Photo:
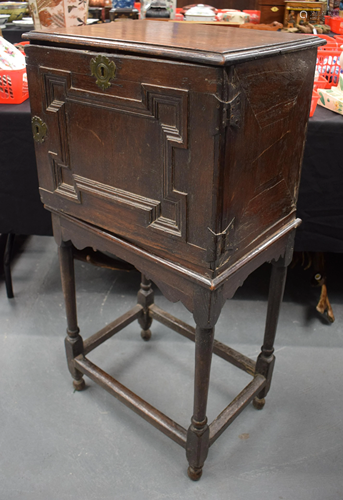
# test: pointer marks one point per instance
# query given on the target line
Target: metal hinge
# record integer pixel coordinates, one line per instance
(222, 242)
(232, 112)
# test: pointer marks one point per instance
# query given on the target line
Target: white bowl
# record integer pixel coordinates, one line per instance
(200, 18)
(16, 10)
(23, 24)
(24, 20)
(200, 13)
(4, 18)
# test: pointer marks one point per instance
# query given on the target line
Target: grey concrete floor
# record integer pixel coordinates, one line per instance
(57, 444)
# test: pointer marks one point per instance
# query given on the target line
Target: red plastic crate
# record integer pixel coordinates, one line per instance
(321, 83)
(13, 86)
(328, 64)
(314, 102)
(330, 41)
(337, 25)
(21, 46)
(327, 20)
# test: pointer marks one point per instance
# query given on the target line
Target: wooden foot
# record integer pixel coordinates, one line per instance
(79, 385)
(258, 403)
(194, 473)
(146, 335)
(197, 447)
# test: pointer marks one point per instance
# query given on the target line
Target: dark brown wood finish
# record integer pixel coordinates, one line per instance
(176, 148)
(145, 299)
(73, 341)
(182, 41)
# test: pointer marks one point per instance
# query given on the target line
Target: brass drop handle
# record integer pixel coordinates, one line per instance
(104, 70)
(39, 129)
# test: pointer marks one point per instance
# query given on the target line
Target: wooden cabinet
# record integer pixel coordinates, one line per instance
(272, 11)
(177, 148)
(172, 121)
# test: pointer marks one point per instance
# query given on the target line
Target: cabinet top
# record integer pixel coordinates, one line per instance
(198, 43)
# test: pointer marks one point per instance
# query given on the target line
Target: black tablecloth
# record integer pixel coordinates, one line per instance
(21, 211)
(13, 33)
(320, 203)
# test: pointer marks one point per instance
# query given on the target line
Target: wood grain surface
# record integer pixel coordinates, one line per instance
(180, 41)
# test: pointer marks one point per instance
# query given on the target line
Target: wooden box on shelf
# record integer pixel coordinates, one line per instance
(271, 11)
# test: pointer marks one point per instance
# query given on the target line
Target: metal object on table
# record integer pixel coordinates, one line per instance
(123, 13)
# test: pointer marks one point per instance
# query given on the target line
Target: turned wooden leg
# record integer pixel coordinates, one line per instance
(266, 359)
(145, 298)
(73, 341)
(198, 432)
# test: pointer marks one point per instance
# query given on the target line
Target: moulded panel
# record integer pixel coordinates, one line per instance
(146, 159)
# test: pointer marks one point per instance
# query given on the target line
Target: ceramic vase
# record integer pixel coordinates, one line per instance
(51, 14)
(122, 4)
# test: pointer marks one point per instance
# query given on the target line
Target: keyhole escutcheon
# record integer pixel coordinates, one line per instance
(104, 70)
(39, 129)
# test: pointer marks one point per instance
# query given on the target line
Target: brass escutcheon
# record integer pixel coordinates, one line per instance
(39, 129)
(274, 9)
(104, 70)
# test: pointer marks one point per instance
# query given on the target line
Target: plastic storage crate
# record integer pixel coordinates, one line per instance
(337, 25)
(320, 83)
(328, 64)
(314, 102)
(13, 86)
(339, 39)
(330, 41)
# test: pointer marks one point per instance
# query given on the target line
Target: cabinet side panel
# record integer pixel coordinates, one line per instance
(264, 153)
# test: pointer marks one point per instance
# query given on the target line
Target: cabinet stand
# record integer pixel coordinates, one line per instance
(206, 307)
